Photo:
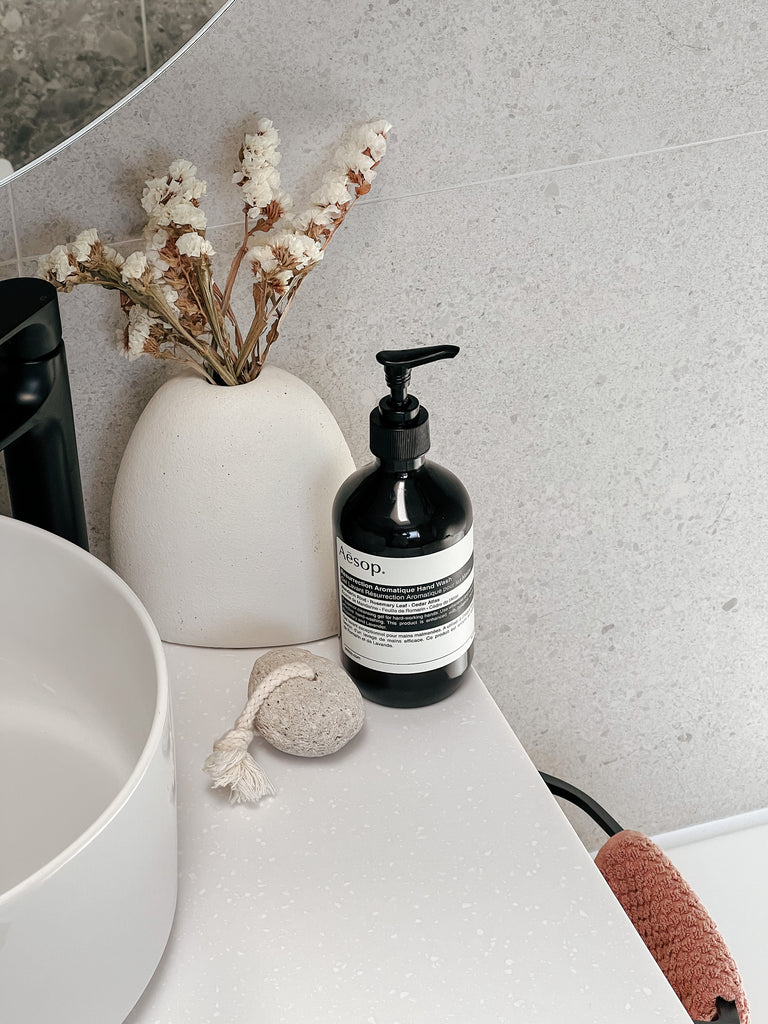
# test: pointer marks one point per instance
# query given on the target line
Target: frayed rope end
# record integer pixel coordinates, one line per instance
(232, 766)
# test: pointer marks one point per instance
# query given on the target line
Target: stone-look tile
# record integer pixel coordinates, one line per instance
(170, 23)
(607, 413)
(7, 243)
(8, 270)
(607, 410)
(476, 93)
(62, 65)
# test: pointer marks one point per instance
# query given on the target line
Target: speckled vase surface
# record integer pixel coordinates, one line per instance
(221, 512)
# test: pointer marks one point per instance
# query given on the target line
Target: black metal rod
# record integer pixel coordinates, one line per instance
(578, 797)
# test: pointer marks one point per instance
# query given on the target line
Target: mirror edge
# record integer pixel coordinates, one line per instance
(7, 178)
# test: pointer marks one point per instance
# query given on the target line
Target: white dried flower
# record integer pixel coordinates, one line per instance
(265, 137)
(305, 250)
(134, 267)
(328, 201)
(260, 190)
(262, 257)
(260, 184)
(137, 339)
(113, 256)
(182, 169)
(180, 213)
(258, 176)
(157, 241)
(82, 245)
(372, 136)
(363, 149)
(284, 255)
(282, 279)
(286, 249)
(192, 244)
(333, 191)
(354, 159)
(184, 181)
(257, 154)
(260, 149)
(56, 265)
(140, 322)
(185, 174)
(257, 213)
(180, 186)
(317, 217)
(155, 191)
(156, 263)
(170, 294)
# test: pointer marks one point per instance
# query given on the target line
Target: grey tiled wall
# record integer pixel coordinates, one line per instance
(577, 194)
(63, 62)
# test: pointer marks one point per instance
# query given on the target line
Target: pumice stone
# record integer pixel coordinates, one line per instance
(300, 703)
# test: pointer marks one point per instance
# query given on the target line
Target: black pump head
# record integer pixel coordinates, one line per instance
(398, 364)
(400, 425)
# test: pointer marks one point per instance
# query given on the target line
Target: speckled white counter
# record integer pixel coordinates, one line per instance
(422, 875)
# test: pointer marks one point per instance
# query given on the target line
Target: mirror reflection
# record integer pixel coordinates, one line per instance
(64, 62)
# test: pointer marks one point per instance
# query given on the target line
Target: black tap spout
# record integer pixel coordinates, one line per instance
(37, 428)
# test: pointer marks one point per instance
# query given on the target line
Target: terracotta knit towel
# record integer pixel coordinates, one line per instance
(674, 925)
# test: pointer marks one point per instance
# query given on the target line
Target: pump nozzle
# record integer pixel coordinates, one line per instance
(400, 425)
(398, 364)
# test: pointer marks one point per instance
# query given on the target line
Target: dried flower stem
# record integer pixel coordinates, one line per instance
(206, 352)
(256, 329)
(229, 316)
(234, 268)
(213, 316)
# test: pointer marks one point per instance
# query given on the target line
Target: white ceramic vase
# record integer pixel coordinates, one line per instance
(221, 512)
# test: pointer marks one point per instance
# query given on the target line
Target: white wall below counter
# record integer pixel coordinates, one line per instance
(724, 863)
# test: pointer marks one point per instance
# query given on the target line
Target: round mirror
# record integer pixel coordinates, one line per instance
(66, 64)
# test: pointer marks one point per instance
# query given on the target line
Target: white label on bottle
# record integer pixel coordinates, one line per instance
(406, 614)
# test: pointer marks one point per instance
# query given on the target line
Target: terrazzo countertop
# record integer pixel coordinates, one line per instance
(421, 875)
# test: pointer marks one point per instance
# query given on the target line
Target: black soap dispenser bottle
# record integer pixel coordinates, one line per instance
(404, 555)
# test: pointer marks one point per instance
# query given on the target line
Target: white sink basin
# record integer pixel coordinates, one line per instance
(87, 797)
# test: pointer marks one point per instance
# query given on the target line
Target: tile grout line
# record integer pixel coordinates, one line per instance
(145, 36)
(538, 172)
(555, 168)
(14, 231)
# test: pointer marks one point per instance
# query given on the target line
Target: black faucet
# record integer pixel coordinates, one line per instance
(37, 428)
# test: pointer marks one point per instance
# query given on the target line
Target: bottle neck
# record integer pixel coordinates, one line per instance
(399, 466)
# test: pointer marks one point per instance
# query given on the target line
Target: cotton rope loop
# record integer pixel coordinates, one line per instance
(230, 765)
